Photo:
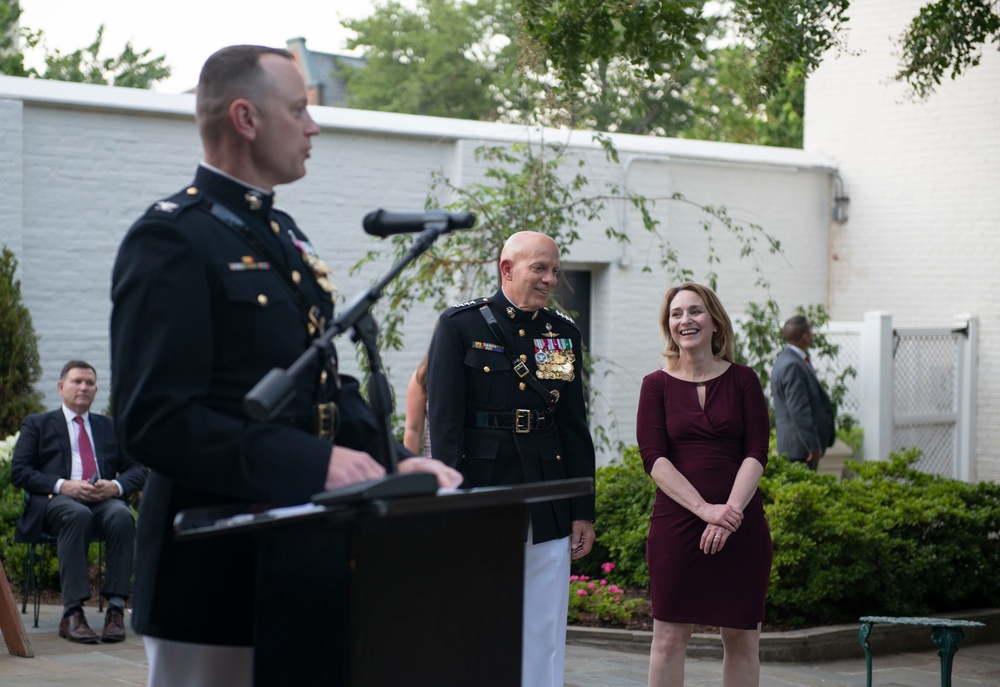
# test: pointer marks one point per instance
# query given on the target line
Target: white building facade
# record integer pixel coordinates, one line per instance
(923, 234)
(80, 163)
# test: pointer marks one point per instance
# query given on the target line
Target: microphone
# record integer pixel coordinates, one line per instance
(383, 223)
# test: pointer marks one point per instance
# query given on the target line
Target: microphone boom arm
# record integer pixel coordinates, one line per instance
(266, 399)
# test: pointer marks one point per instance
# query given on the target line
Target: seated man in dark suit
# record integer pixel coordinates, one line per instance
(68, 460)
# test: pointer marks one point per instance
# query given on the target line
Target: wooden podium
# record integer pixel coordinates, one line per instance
(415, 590)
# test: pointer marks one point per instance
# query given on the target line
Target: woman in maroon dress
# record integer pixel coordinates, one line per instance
(703, 433)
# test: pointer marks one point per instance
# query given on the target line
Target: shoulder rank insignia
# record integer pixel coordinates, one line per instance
(566, 318)
(466, 304)
(166, 206)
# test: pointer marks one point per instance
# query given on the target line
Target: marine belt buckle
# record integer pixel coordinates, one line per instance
(522, 370)
(522, 421)
(325, 413)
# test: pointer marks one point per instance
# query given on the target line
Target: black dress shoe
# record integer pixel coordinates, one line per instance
(74, 627)
(114, 625)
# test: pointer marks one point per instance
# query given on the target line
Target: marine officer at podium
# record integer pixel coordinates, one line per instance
(506, 406)
(211, 289)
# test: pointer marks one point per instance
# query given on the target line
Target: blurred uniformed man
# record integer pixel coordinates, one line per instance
(506, 406)
(212, 288)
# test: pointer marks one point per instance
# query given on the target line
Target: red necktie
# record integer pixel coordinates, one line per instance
(86, 450)
(808, 362)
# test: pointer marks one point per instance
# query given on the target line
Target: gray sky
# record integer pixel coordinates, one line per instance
(188, 31)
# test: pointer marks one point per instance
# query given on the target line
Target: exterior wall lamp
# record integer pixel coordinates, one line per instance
(840, 199)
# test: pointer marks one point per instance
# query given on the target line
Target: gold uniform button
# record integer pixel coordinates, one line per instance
(192, 190)
(296, 277)
(520, 332)
(322, 377)
(311, 328)
(486, 368)
(275, 227)
(524, 358)
(558, 457)
(262, 299)
(522, 386)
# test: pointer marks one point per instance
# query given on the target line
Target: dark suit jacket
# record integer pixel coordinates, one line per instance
(199, 316)
(43, 456)
(468, 372)
(803, 414)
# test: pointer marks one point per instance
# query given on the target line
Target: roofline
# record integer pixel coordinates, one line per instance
(44, 92)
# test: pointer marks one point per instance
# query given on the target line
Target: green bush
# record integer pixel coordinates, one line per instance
(625, 496)
(889, 540)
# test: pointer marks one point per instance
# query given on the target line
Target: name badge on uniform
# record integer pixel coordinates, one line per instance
(555, 358)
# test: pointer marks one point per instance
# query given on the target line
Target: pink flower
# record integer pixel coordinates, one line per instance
(614, 589)
(617, 598)
(590, 586)
(574, 578)
(584, 577)
(581, 592)
(604, 581)
(607, 567)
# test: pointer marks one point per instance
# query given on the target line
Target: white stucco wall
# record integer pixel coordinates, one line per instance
(79, 163)
(923, 236)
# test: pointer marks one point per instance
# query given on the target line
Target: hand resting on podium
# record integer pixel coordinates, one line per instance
(348, 466)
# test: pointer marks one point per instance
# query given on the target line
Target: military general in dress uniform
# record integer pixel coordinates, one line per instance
(212, 288)
(506, 406)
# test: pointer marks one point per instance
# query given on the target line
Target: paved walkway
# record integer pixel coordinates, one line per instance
(59, 662)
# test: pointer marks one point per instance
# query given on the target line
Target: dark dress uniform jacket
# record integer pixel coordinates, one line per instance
(470, 375)
(199, 316)
(43, 455)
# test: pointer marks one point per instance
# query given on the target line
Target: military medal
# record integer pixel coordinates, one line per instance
(554, 358)
(548, 331)
(320, 270)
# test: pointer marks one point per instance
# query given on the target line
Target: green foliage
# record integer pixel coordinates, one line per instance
(599, 597)
(786, 34)
(20, 366)
(625, 496)
(496, 70)
(946, 35)
(11, 58)
(889, 541)
(130, 68)
(647, 34)
(426, 60)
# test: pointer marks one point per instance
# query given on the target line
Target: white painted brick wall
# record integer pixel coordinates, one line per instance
(924, 230)
(94, 158)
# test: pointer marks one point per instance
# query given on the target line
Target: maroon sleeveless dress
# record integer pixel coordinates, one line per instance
(708, 447)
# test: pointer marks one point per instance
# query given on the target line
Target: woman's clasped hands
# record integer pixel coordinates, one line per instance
(723, 520)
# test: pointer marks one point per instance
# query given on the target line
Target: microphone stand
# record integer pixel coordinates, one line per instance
(266, 399)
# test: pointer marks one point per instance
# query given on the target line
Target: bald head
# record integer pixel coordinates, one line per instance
(529, 269)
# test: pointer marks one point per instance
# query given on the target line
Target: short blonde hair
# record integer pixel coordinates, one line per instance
(723, 339)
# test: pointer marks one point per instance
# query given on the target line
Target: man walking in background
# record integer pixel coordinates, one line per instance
(803, 413)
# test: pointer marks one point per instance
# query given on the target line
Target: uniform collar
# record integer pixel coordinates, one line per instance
(509, 311)
(231, 192)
